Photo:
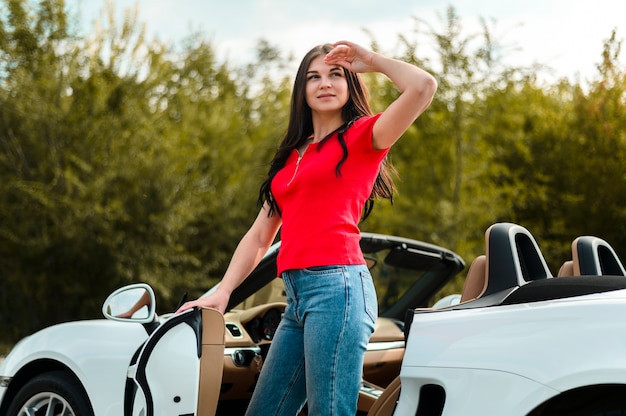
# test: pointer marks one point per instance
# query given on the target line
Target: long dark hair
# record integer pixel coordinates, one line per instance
(300, 128)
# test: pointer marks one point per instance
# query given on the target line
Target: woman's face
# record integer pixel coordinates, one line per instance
(326, 87)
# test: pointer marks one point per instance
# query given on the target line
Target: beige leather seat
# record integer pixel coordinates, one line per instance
(566, 269)
(211, 362)
(476, 280)
(386, 403)
(512, 258)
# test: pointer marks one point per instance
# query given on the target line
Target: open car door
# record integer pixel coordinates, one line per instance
(178, 372)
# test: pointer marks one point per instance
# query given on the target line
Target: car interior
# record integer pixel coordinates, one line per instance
(513, 270)
(407, 274)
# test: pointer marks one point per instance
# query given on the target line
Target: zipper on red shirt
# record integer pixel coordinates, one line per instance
(295, 171)
(300, 156)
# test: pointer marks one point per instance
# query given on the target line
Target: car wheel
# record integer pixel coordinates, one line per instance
(51, 394)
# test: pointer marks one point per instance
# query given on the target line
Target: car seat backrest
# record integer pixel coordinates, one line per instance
(567, 269)
(476, 280)
(594, 256)
(513, 258)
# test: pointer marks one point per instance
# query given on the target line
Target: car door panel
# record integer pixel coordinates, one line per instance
(178, 360)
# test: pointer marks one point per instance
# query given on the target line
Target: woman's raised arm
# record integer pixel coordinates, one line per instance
(417, 88)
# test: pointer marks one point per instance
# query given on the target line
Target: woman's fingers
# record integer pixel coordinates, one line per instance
(350, 56)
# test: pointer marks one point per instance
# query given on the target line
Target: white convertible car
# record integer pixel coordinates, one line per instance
(520, 341)
(136, 363)
(516, 341)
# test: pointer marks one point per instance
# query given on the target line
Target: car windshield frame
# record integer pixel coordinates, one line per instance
(432, 267)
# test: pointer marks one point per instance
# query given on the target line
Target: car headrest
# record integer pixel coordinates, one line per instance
(513, 257)
(594, 256)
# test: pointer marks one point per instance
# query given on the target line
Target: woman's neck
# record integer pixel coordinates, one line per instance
(325, 125)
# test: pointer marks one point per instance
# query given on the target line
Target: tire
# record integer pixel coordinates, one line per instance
(51, 394)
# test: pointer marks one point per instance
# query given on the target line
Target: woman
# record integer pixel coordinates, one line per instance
(322, 180)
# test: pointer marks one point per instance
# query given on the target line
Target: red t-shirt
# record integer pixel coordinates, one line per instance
(320, 210)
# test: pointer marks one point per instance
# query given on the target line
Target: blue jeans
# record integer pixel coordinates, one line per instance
(316, 356)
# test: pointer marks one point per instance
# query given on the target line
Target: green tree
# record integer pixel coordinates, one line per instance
(559, 161)
(123, 159)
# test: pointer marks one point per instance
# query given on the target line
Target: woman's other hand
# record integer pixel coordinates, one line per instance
(217, 300)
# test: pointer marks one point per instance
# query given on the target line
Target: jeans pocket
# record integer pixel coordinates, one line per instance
(369, 296)
(322, 270)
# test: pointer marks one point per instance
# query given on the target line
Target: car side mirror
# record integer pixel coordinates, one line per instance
(132, 303)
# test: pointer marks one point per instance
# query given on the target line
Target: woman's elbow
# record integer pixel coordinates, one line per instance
(428, 86)
(425, 91)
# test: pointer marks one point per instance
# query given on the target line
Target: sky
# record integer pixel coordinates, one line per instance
(565, 35)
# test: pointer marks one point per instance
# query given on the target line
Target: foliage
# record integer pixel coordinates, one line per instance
(124, 159)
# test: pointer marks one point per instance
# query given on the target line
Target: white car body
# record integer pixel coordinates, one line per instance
(507, 360)
(538, 345)
(79, 347)
(99, 353)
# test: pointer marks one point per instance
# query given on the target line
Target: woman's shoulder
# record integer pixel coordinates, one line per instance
(359, 133)
(364, 122)
(363, 126)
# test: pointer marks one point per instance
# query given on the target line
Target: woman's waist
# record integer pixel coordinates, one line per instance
(308, 256)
